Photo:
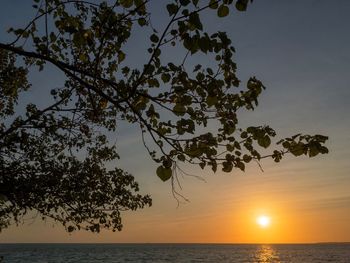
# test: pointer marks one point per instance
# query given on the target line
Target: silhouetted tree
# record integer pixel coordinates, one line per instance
(42, 167)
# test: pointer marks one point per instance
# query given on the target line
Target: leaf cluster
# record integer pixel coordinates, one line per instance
(184, 115)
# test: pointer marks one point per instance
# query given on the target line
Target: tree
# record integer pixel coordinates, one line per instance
(41, 165)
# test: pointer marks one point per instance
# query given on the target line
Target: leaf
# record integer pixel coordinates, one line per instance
(184, 2)
(313, 151)
(211, 101)
(142, 21)
(210, 71)
(297, 149)
(223, 11)
(167, 163)
(181, 157)
(204, 44)
(140, 4)
(157, 52)
(237, 145)
(321, 138)
(103, 103)
(241, 166)
(202, 165)
(153, 83)
(244, 135)
(164, 173)
(126, 3)
(121, 56)
(324, 150)
(230, 147)
(286, 144)
(154, 38)
(247, 158)
(165, 77)
(71, 229)
(241, 5)
(149, 69)
(194, 46)
(179, 109)
(195, 21)
(227, 167)
(264, 141)
(213, 4)
(194, 152)
(83, 57)
(172, 9)
(214, 166)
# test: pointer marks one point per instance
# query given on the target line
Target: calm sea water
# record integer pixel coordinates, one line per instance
(92, 253)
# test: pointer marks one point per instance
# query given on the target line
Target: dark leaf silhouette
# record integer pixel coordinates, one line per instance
(53, 159)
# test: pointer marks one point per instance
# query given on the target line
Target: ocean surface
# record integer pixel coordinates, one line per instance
(91, 253)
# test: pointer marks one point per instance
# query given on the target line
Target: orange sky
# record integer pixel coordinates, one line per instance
(224, 210)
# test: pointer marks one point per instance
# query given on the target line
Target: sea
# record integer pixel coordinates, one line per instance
(92, 253)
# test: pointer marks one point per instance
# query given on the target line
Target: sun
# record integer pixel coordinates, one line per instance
(263, 221)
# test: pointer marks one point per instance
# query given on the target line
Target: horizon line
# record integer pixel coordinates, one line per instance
(181, 243)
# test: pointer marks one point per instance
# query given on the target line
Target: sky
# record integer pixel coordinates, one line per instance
(300, 50)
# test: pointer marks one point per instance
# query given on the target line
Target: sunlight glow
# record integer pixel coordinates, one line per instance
(263, 221)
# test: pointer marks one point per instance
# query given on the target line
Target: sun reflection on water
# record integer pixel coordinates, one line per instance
(266, 254)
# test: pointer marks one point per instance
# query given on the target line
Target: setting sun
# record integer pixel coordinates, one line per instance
(263, 221)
